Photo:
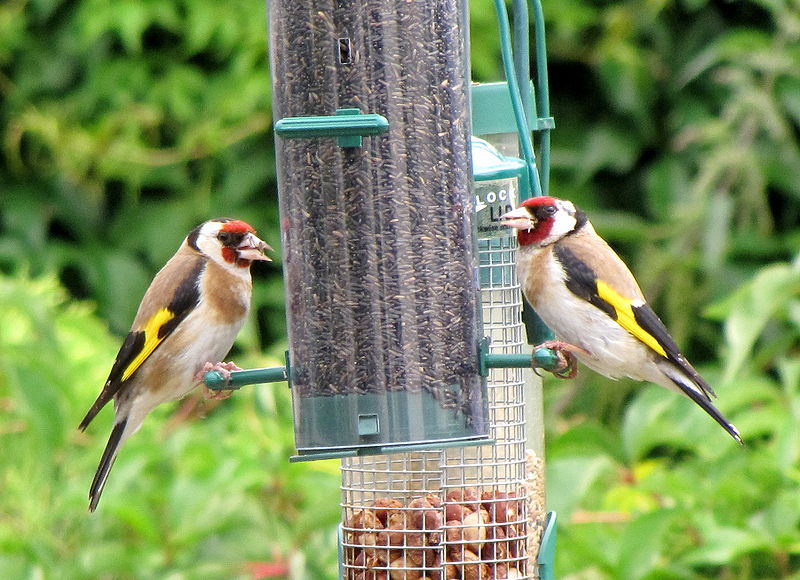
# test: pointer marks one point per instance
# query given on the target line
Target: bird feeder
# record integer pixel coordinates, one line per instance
(406, 343)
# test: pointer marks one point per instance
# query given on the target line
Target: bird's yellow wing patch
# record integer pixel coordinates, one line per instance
(152, 338)
(626, 318)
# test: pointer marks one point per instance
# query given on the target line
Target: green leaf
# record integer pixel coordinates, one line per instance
(586, 438)
(644, 426)
(628, 81)
(751, 307)
(731, 46)
(643, 543)
(607, 147)
(575, 475)
(716, 237)
(723, 544)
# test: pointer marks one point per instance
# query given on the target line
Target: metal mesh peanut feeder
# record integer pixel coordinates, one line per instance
(403, 307)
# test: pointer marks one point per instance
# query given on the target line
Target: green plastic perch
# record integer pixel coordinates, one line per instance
(542, 358)
(215, 381)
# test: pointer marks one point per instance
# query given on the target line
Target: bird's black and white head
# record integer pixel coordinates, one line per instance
(231, 243)
(544, 220)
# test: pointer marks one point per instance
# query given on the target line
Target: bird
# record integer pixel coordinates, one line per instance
(591, 301)
(189, 316)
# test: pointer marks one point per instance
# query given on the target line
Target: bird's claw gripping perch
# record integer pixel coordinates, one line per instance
(567, 363)
(223, 368)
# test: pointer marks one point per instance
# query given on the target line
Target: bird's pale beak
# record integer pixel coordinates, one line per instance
(518, 218)
(253, 248)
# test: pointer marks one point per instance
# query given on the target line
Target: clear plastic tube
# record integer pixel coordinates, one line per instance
(379, 263)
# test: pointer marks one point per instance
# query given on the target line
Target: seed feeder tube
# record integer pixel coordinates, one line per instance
(374, 184)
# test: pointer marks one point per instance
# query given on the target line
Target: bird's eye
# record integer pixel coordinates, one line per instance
(545, 211)
(225, 237)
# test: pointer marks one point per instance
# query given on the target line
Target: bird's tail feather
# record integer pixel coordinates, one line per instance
(96, 406)
(699, 396)
(106, 462)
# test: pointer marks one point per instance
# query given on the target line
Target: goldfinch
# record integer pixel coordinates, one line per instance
(189, 316)
(587, 296)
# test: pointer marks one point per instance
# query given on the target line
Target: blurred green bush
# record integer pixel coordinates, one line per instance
(125, 124)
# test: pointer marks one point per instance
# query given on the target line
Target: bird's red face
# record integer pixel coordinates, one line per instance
(229, 242)
(534, 219)
(542, 220)
(240, 245)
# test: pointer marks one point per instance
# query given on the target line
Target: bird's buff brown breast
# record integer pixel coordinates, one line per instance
(228, 295)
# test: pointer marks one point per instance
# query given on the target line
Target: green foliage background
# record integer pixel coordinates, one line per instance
(124, 124)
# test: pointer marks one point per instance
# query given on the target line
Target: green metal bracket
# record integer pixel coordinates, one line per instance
(347, 125)
(516, 76)
(540, 358)
(547, 549)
